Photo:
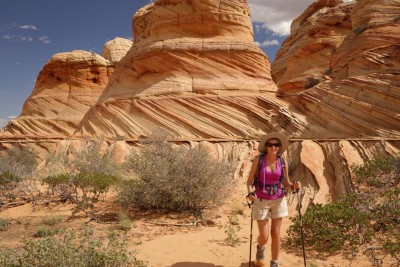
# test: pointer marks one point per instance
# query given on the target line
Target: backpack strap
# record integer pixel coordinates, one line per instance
(282, 178)
(260, 161)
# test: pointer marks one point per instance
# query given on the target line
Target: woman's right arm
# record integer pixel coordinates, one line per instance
(250, 179)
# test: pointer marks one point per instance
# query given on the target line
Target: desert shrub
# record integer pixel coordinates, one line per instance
(52, 220)
(332, 227)
(17, 163)
(232, 229)
(359, 29)
(83, 189)
(46, 230)
(83, 178)
(125, 223)
(175, 179)
(90, 159)
(4, 224)
(367, 220)
(311, 82)
(379, 173)
(93, 159)
(17, 175)
(71, 249)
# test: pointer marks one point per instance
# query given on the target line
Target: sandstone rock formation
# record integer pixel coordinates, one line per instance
(195, 71)
(304, 57)
(68, 85)
(359, 95)
(116, 49)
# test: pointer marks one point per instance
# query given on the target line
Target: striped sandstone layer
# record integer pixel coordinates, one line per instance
(195, 71)
(352, 84)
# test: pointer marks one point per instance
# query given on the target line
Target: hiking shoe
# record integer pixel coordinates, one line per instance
(260, 256)
(274, 264)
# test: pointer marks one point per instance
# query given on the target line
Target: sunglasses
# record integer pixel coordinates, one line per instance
(273, 144)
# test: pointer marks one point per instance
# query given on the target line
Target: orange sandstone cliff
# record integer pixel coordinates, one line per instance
(340, 66)
(195, 71)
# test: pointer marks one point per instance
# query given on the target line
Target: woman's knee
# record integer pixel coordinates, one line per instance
(275, 234)
(276, 229)
(262, 239)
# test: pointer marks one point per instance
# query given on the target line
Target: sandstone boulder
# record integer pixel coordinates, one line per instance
(114, 50)
(68, 85)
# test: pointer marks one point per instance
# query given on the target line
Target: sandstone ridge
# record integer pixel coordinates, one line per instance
(352, 82)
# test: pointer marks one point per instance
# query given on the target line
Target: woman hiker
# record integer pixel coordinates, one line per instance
(268, 179)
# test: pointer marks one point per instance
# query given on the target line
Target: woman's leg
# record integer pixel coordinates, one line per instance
(275, 238)
(261, 241)
(263, 232)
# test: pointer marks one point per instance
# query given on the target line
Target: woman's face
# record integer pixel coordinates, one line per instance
(273, 146)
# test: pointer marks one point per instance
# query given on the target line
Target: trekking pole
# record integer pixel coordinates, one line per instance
(250, 204)
(301, 226)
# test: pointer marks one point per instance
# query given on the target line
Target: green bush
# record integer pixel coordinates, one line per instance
(311, 82)
(359, 29)
(46, 230)
(125, 223)
(91, 159)
(175, 179)
(83, 189)
(4, 224)
(83, 177)
(71, 249)
(52, 220)
(17, 175)
(17, 163)
(369, 218)
(333, 227)
(232, 229)
(379, 173)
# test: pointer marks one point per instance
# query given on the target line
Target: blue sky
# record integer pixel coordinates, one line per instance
(31, 31)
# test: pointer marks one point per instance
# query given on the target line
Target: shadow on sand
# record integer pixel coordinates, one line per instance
(203, 264)
(194, 264)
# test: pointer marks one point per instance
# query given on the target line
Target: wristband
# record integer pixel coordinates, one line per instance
(251, 193)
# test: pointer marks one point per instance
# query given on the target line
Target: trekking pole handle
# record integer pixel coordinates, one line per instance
(249, 203)
(297, 190)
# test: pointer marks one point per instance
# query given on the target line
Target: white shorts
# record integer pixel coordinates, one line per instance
(270, 209)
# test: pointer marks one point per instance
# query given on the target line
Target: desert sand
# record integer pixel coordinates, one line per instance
(159, 240)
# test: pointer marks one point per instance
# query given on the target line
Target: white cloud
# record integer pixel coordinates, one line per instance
(27, 38)
(3, 123)
(29, 27)
(18, 38)
(14, 33)
(44, 39)
(8, 37)
(277, 15)
(24, 27)
(268, 43)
